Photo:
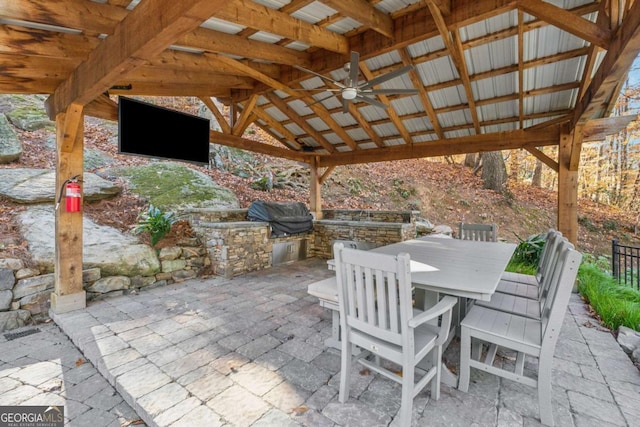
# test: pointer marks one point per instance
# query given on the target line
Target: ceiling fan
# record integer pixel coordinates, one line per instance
(352, 90)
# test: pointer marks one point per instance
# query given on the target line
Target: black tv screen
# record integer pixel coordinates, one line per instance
(148, 130)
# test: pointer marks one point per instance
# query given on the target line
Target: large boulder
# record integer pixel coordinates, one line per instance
(93, 159)
(106, 248)
(27, 112)
(171, 185)
(10, 145)
(38, 186)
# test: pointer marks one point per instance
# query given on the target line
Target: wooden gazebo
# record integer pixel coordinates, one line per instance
(482, 75)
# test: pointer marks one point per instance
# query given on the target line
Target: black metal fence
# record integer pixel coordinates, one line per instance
(625, 264)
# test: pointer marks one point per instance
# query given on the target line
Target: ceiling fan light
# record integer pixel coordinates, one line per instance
(349, 93)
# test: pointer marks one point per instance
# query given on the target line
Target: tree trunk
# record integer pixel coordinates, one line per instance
(536, 179)
(494, 171)
(471, 160)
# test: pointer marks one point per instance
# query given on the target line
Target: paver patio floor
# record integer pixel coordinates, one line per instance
(249, 351)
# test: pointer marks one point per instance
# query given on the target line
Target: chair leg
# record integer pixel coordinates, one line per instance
(465, 355)
(544, 392)
(435, 381)
(345, 366)
(406, 402)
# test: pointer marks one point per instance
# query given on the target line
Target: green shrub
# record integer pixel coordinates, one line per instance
(155, 222)
(529, 250)
(615, 304)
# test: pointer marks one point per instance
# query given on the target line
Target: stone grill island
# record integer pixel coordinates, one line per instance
(237, 245)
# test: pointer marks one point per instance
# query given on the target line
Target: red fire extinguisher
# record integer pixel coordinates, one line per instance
(72, 193)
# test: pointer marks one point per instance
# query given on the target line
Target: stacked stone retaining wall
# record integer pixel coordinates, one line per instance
(25, 294)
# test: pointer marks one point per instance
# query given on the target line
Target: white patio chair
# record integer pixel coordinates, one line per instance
(528, 285)
(374, 295)
(525, 336)
(480, 232)
(524, 306)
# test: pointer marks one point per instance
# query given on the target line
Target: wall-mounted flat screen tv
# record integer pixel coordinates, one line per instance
(148, 130)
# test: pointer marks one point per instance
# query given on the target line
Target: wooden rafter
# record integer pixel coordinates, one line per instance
(222, 121)
(454, 46)
(567, 21)
(364, 124)
(422, 93)
(142, 38)
(623, 50)
(289, 137)
(246, 117)
(253, 15)
(395, 118)
(363, 12)
(281, 105)
(543, 158)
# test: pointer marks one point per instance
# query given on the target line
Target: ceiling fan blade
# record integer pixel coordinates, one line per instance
(353, 68)
(390, 91)
(383, 78)
(320, 89)
(372, 101)
(320, 100)
(340, 85)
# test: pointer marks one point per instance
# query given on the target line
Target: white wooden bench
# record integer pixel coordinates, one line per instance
(525, 336)
(327, 293)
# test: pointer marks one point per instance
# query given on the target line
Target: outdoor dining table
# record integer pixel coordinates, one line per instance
(464, 268)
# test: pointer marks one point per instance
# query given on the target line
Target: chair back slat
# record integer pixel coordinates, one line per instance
(479, 232)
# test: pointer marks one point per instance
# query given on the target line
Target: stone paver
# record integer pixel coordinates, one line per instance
(66, 378)
(250, 352)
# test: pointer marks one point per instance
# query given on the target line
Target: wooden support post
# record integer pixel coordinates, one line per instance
(68, 294)
(315, 187)
(567, 189)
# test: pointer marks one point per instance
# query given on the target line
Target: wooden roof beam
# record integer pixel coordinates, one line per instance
(366, 14)
(454, 45)
(623, 50)
(257, 147)
(422, 93)
(567, 21)
(250, 14)
(99, 18)
(216, 113)
(148, 30)
(317, 109)
(281, 105)
(290, 137)
(246, 117)
(538, 154)
(470, 144)
(395, 118)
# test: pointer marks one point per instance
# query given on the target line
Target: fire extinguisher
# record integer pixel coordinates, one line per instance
(73, 194)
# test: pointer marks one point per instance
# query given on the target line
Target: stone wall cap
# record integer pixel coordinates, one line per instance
(361, 224)
(234, 224)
